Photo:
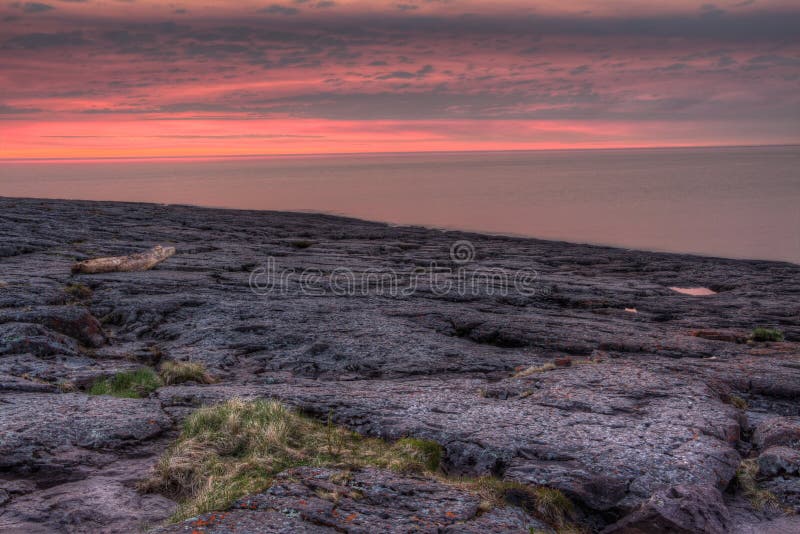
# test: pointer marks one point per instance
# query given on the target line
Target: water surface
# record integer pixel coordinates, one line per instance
(731, 202)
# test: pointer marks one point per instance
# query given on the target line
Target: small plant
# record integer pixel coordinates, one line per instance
(67, 387)
(548, 504)
(535, 369)
(746, 480)
(78, 291)
(130, 384)
(172, 372)
(423, 454)
(766, 334)
(301, 243)
(738, 402)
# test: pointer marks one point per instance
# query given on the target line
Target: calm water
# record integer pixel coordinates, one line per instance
(733, 202)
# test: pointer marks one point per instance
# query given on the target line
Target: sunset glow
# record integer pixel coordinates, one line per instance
(92, 79)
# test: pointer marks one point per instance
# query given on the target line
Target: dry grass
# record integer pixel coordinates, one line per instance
(78, 291)
(172, 372)
(746, 480)
(535, 369)
(232, 449)
(737, 402)
(548, 504)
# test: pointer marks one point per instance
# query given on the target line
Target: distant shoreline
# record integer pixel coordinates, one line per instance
(445, 230)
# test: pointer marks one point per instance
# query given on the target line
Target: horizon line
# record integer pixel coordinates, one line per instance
(379, 153)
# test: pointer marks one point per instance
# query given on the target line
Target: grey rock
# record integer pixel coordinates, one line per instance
(360, 501)
(679, 510)
(59, 436)
(777, 460)
(778, 431)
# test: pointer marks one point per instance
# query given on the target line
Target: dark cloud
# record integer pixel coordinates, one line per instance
(33, 41)
(32, 7)
(277, 9)
(12, 110)
(406, 75)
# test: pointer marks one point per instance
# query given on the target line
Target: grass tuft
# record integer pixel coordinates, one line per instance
(78, 291)
(236, 448)
(737, 402)
(766, 334)
(172, 372)
(746, 480)
(131, 384)
(421, 454)
(548, 504)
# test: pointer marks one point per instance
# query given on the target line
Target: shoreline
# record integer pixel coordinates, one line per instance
(463, 231)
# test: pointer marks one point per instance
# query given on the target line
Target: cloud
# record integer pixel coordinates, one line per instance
(34, 41)
(12, 110)
(277, 9)
(32, 7)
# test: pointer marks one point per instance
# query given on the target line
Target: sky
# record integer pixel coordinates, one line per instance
(136, 78)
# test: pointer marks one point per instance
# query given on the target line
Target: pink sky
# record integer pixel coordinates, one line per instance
(92, 78)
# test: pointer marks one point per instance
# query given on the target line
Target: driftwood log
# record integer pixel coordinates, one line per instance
(141, 261)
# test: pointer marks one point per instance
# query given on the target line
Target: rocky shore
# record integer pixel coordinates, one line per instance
(549, 364)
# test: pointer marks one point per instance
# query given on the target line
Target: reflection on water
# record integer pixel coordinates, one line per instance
(734, 202)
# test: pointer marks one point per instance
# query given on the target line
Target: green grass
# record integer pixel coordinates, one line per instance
(236, 448)
(131, 384)
(172, 372)
(766, 334)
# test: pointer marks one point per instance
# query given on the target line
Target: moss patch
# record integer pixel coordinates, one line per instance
(131, 384)
(766, 334)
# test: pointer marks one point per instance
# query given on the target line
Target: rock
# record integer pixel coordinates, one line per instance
(610, 434)
(21, 338)
(59, 436)
(778, 431)
(721, 335)
(777, 460)
(96, 504)
(781, 525)
(562, 362)
(359, 501)
(678, 510)
(787, 490)
(72, 321)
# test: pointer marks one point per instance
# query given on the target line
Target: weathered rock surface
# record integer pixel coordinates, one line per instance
(679, 509)
(360, 501)
(638, 421)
